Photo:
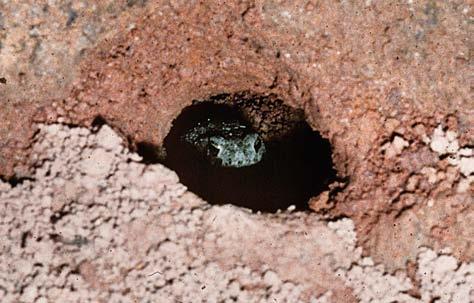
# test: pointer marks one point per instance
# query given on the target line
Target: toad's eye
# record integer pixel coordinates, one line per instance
(213, 150)
(257, 145)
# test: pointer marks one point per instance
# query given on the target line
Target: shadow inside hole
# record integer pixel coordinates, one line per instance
(292, 170)
(149, 152)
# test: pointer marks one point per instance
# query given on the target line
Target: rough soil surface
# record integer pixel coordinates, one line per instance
(270, 116)
(42, 43)
(96, 225)
(387, 83)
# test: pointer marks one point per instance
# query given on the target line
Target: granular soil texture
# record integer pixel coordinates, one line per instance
(96, 225)
(386, 83)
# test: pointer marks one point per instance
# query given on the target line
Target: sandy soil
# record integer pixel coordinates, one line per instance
(96, 225)
(388, 83)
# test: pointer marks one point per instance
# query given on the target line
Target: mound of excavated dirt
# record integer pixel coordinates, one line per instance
(97, 225)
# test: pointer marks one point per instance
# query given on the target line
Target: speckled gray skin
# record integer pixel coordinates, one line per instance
(227, 143)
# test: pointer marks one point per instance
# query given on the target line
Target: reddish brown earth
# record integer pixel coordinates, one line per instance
(376, 79)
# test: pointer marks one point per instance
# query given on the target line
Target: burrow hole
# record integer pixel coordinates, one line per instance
(249, 151)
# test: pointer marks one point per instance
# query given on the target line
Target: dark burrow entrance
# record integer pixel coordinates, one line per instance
(253, 152)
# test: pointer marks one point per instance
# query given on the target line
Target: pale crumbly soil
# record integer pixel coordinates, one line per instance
(96, 225)
(388, 83)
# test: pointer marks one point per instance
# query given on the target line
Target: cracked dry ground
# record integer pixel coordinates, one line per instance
(387, 83)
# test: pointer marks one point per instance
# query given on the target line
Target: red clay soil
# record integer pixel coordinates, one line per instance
(366, 75)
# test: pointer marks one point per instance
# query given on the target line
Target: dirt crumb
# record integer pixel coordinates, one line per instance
(133, 232)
